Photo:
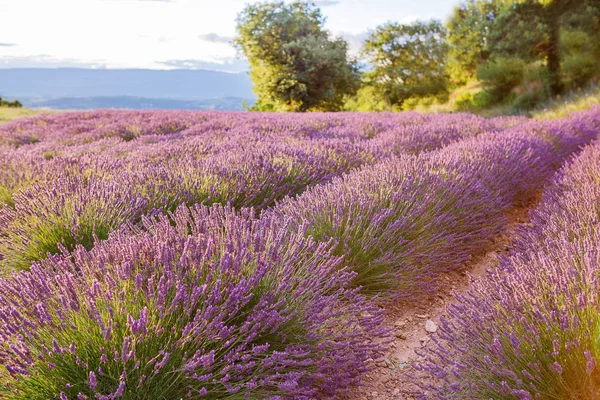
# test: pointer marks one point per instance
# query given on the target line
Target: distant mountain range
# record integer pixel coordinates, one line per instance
(138, 103)
(73, 88)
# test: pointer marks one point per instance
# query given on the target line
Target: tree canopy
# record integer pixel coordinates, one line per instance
(407, 60)
(501, 51)
(294, 63)
(531, 30)
(469, 28)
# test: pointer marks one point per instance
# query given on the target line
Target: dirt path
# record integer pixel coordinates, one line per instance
(409, 321)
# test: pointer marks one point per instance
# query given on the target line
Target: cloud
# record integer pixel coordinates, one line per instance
(355, 40)
(326, 3)
(215, 38)
(141, 1)
(7, 44)
(234, 65)
(46, 61)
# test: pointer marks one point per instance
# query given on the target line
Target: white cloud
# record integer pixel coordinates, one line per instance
(326, 3)
(226, 65)
(45, 60)
(215, 38)
(145, 33)
(355, 40)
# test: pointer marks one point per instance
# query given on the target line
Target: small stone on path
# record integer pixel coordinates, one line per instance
(431, 326)
(400, 324)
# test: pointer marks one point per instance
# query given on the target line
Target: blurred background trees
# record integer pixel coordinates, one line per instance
(508, 54)
(11, 104)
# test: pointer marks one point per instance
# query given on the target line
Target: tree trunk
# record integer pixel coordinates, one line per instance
(553, 60)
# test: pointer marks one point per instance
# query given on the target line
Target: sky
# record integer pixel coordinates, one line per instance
(166, 34)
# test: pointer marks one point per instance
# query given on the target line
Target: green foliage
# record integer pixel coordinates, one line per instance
(500, 76)
(424, 103)
(580, 62)
(295, 65)
(408, 60)
(472, 101)
(368, 99)
(532, 30)
(10, 104)
(482, 100)
(468, 33)
(518, 31)
(527, 101)
(579, 69)
(580, 99)
(524, 51)
(464, 101)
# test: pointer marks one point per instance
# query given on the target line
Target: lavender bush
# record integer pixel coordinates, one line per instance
(216, 305)
(151, 278)
(159, 160)
(530, 329)
(398, 224)
(73, 211)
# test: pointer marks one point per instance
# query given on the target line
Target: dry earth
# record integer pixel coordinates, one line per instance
(413, 324)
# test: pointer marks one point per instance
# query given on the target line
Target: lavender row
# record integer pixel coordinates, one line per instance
(204, 303)
(61, 196)
(161, 137)
(60, 131)
(529, 330)
(401, 222)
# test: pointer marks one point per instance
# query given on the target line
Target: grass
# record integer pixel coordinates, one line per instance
(563, 106)
(8, 114)
(560, 107)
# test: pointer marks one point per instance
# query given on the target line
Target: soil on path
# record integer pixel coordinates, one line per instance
(414, 323)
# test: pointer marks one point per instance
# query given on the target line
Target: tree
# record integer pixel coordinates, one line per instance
(468, 34)
(11, 104)
(407, 60)
(294, 64)
(530, 29)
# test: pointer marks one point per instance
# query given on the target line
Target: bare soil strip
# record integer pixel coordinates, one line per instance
(414, 323)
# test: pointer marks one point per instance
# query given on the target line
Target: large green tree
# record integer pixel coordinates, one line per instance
(294, 63)
(531, 29)
(469, 28)
(407, 60)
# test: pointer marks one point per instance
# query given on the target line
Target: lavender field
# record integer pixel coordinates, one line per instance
(216, 255)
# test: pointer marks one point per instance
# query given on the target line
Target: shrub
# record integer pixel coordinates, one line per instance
(424, 103)
(464, 101)
(500, 76)
(579, 69)
(482, 100)
(527, 101)
(216, 304)
(72, 211)
(11, 104)
(384, 221)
